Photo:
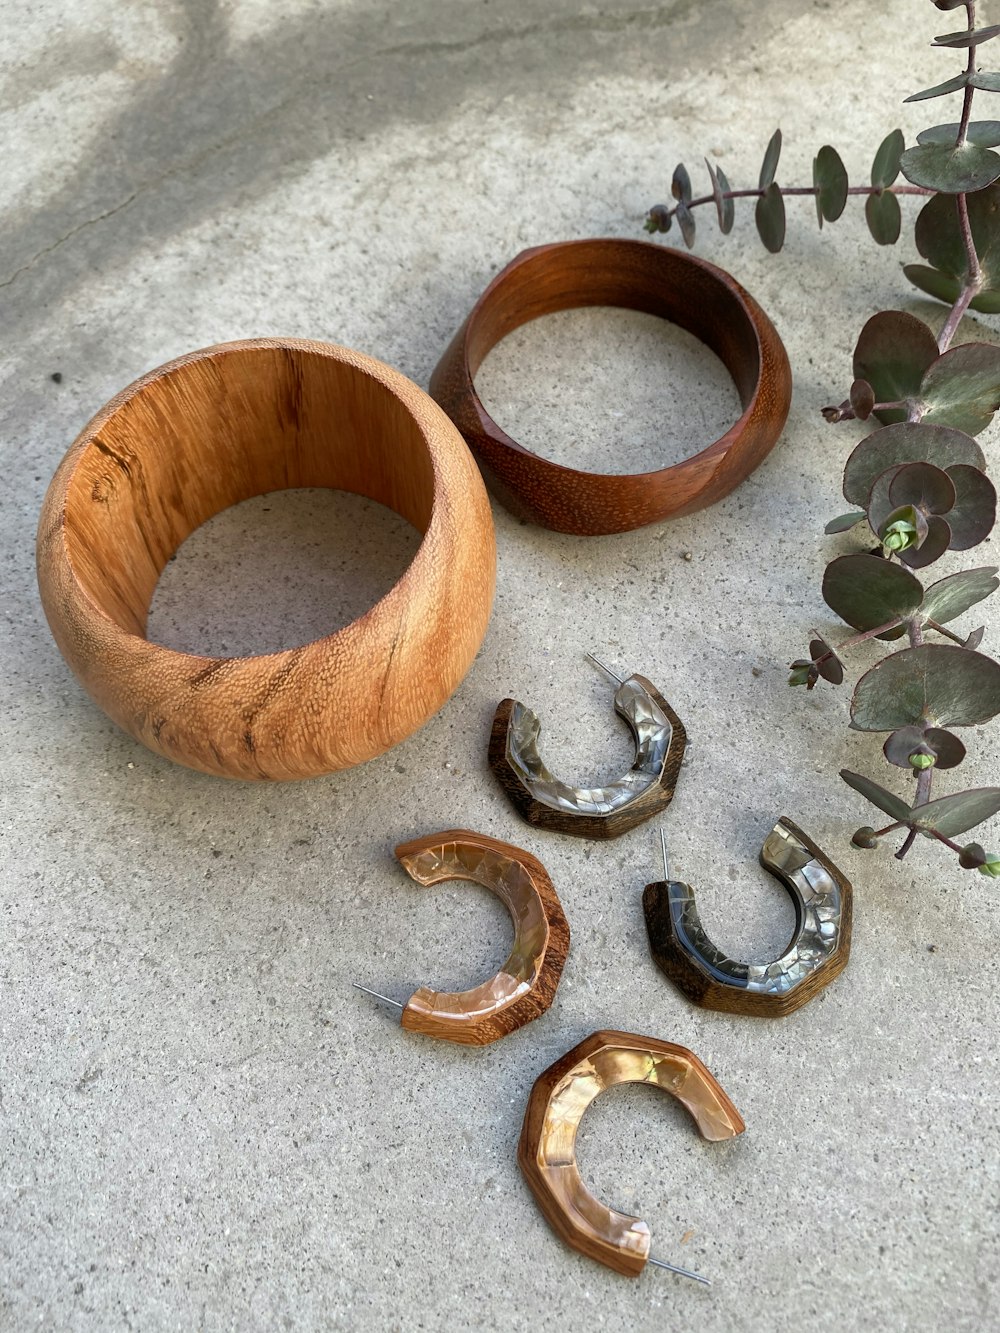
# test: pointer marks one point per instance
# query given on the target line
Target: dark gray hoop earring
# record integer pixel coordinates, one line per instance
(545, 801)
(816, 953)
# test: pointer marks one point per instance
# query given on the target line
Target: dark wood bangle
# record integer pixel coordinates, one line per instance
(638, 275)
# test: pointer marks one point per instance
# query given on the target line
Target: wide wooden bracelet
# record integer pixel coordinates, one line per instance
(222, 425)
(639, 276)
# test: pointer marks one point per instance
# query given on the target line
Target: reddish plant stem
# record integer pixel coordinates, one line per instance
(932, 624)
(925, 776)
(889, 828)
(911, 838)
(974, 276)
(869, 634)
(973, 281)
(947, 842)
(807, 190)
(970, 68)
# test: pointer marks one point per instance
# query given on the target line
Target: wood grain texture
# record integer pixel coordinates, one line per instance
(546, 1152)
(644, 805)
(526, 984)
(638, 275)
(217, 427)
(686, 955)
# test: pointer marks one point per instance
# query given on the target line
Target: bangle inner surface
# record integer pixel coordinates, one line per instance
(215, 431)
(607, 390)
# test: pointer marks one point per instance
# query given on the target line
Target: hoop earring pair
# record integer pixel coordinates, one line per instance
(822, 895)
(520, 992)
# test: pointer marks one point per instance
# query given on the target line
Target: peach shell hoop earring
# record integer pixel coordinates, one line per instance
(526, 984)
(638, 275)
(222, 425)
(547, 1150)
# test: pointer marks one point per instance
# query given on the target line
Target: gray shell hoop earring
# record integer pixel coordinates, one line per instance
(817, 952)
(592, 812)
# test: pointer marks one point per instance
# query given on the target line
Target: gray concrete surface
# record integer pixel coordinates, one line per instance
(201, 1125)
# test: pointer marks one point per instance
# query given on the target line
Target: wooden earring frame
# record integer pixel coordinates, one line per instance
(637, 701)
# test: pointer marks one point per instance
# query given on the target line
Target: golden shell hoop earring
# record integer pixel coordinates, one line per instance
(526, 984)
(547, 1150)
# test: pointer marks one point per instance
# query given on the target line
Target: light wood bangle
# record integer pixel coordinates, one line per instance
(222, 425)
(639, 276)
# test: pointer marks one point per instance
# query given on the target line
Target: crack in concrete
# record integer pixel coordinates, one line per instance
(244, 132)
(644, 19)
(81, 226)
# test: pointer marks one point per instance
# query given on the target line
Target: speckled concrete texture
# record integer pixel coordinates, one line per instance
(203, 1126)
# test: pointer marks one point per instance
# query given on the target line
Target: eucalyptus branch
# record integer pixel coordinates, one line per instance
(919, 490)
(810, 191)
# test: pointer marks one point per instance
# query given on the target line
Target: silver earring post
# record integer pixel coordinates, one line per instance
(666, 862)
(377, 996)
(604, 667)
(683, 1272)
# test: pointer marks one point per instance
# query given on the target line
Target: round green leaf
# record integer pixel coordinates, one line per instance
(932, 545)
(685, 220)
(885, 168)
(871, 791)
(962, 388)
(955, 814)
(680, 186)
(658, 219)
(905, 442)
(770, 218)
(975, 508)
(924, 485)
(983, 133)
(830, 180)
(893, 351)
(942, 684)
(947, 747)
(720, 193)
(867, 591)
(976, 637)
(862, 398)
(843, 522)
(825, 658)
(951, 168)
(884, 218)
(770, 164)
(952, 596)
(728, 213)
(902, 743)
